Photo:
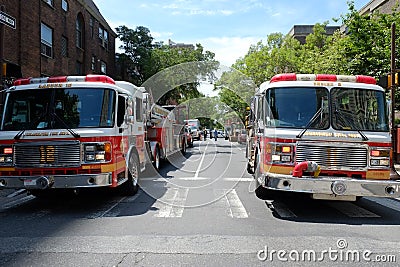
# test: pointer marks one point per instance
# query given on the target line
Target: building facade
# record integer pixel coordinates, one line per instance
(56, 37)
(300, 32)
(383, 6)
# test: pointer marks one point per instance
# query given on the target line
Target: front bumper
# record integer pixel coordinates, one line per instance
(341, 186)
(56, 181)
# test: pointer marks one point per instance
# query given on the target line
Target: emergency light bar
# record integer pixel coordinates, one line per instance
(64, 79)
(323, 77)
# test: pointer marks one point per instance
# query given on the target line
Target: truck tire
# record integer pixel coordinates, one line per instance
(261, 192)
(183, 150)
(131, 186)
(156, 159)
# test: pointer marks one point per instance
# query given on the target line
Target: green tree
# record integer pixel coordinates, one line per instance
(137, 46)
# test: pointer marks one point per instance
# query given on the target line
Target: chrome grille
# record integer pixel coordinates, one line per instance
(333, 156)
(47, 154)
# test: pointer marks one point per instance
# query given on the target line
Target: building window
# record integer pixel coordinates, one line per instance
(103, 67)
(93, 63)
(91, 24)
(78, 68)
(103, 37)
(46, 47)
(50, 2)
(79, 31)
(64, 46)
(64, 5)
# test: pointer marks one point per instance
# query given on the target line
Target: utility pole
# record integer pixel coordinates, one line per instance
(2, 8)
(393, 173)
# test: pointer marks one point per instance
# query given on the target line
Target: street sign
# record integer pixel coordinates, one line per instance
(8, 20)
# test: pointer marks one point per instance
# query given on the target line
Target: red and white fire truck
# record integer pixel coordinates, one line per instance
(74, 132)
(321, 134)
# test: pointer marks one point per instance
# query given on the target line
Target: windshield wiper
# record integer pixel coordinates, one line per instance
(349, 122)
(310, 122)
(30, 125)
(74, 134)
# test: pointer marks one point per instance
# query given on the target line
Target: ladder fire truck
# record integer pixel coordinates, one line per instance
(74, 132)
(321, 134)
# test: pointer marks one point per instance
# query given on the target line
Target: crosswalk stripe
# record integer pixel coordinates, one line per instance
(281, 209)
(353, 210)
(18, 202)
(172, 203)
(228, 179)
(393, 204)
(231, 203)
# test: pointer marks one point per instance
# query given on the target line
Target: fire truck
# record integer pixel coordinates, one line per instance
(75, 132)
(320, 134)
(165, 132)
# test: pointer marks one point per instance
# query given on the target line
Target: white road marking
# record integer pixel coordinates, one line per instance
(193, 178)
(196, 175)
(353, 210)
(172, 203)
(281, 209)
(231, 203)
(16, 193)
(393, 204)
(241, 179)
(18, 202)
(228, 179)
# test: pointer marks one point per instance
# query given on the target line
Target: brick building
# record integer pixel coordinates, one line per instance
(57, 37)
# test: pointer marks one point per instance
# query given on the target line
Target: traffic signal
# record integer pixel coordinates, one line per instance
(396, 79)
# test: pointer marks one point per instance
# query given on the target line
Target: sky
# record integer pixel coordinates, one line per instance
(225, 27)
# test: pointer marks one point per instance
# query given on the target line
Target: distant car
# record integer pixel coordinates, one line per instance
(221, 134)
(189, 137)
(196, 133)
(242, 136)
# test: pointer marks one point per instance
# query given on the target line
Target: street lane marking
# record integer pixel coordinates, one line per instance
(172, 203)
(386, 202)
(352, 210)
(228, 179)
(242, 179)
(281, 209)
(196, 175)
(193, 178)
(232, 203)
(18, 202)
(16, 193)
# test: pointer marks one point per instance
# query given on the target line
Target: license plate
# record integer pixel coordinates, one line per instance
(29, 182)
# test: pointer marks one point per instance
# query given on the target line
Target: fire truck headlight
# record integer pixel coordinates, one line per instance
(90, 148)
(97, 152)
(379, 162)
(6, 155)
(379, 157)
(90, 157)
(276, 158)
(100, 157)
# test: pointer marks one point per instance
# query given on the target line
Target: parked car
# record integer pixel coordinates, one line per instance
(189, 137)
(196, 133)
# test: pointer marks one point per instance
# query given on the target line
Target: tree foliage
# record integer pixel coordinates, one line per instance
(364, 48)
(143, 58)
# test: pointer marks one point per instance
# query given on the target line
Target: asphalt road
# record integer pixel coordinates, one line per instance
(200, 210)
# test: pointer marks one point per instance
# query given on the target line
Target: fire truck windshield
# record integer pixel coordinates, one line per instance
(358, 109)
(58, 109)
(296, 107)
(314, 108)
